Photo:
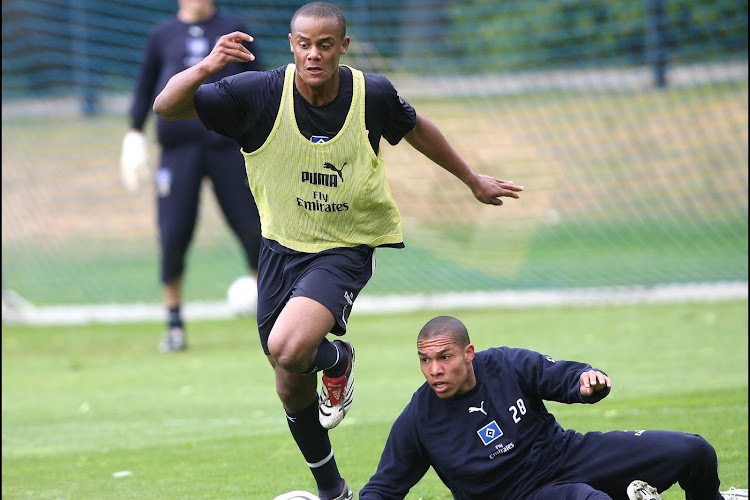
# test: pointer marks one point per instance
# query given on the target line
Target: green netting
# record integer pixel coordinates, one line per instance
(626, 122)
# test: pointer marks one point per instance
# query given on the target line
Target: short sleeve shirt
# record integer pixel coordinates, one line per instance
(245, 107)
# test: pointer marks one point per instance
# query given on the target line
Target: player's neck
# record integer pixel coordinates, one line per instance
(319, 95)
(191, 16)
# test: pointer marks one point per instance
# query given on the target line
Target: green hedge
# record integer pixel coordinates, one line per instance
(501, 36)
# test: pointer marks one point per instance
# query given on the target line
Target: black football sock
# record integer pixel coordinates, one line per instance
(338, 367)
(331, 357)
(175, 318)
(312, 440)
(332, 492)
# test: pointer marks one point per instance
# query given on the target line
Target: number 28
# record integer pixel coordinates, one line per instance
(518, 410)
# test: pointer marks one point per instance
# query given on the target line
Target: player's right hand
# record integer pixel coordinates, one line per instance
(228, 49)
(134, 168)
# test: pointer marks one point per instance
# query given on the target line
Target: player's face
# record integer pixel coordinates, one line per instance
(317, 46)
(198, 9)
(446, 366)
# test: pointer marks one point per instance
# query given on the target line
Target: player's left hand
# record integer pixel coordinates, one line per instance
(593, 381)
(489, 190)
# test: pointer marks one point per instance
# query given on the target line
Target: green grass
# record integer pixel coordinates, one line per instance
(81, 403)
(449, 261)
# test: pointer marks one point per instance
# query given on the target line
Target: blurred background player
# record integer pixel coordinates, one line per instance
(189, 152)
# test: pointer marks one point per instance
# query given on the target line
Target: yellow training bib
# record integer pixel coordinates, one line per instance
(316, 196)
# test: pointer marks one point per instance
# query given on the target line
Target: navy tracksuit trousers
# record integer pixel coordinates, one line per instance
(600, 466)
(178, 187)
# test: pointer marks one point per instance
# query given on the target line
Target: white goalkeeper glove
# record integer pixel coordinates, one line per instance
(134, 168)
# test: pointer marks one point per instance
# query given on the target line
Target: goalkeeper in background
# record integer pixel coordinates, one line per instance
(189, 152)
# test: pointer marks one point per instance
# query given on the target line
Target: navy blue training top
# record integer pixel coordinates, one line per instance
(245, 107)
(174, 46)
(497, 439)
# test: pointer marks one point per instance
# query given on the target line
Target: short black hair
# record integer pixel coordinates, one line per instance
(321, 10)
(445, 325)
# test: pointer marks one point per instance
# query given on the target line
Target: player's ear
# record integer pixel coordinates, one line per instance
(469, 353)
(345, 45)
(291, 45)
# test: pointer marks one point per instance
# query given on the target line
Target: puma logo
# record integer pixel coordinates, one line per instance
(330, 166)
(472, 409)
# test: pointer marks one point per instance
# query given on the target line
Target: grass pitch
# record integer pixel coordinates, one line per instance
(95, 412)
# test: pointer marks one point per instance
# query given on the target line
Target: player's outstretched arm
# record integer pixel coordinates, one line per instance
(175, 102)
(426, 138)
(594, 381)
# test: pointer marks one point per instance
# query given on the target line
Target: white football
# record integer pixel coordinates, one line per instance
(297, 495)
(242, 296)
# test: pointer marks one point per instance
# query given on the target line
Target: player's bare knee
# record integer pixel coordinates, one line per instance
(286, 357)
(292, 364)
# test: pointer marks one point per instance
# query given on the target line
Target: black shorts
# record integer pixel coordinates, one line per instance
(332, 277)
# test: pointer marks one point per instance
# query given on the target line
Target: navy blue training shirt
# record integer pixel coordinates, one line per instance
(245, 106)
(491, 442)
